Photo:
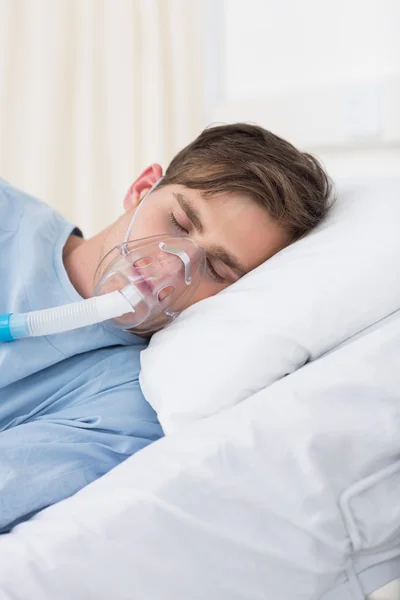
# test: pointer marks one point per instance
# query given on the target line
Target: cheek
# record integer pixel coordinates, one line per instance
(206, 289)
(147, 227)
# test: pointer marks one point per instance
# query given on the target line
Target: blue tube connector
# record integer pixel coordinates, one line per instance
(5, 329)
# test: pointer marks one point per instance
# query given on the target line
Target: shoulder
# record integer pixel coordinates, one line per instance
(14, 204)
(10, 208)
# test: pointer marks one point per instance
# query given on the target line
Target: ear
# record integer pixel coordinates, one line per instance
(141, 186)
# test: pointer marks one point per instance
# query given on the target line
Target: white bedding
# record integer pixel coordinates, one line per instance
(291, 493)
(265, 500)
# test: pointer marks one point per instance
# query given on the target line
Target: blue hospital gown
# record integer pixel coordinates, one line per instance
(70, 404)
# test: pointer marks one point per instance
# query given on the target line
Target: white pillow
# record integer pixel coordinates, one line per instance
(304, 301)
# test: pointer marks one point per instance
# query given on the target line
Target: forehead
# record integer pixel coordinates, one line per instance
(220, 205)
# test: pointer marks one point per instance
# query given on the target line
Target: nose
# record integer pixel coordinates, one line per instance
(184, 257)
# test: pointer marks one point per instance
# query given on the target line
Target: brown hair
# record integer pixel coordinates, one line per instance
(291, 185)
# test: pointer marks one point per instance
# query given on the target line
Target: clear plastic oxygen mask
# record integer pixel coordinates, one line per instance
(141, 285)
(157, 274)
(158, 277)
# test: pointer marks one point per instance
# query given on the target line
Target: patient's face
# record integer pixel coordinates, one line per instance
(236, 233)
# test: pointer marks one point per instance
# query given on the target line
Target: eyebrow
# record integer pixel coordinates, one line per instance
(190, 211)
(218, 252)
(231, 261)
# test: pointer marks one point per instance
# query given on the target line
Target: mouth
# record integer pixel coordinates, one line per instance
(145, 286)
(148, 288)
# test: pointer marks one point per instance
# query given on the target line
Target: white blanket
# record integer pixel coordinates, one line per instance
(294, 493)
(291, 491)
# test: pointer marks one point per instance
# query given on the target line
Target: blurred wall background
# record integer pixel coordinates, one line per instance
(92, 91)
(323, 73)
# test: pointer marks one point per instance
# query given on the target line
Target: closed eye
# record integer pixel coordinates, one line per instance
(176, 224)
(178, 227)
(184, 231)
(214, 273)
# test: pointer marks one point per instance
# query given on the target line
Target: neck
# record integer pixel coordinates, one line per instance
(81, 259)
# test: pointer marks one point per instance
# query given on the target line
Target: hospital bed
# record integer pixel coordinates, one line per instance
(278, 477)
(391, 591)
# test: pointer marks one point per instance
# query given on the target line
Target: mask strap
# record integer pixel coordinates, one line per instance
(128, 233)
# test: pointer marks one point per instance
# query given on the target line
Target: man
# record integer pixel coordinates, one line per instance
(70, 404)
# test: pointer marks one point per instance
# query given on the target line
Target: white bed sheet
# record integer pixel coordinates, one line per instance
(264, 500)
